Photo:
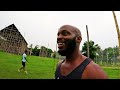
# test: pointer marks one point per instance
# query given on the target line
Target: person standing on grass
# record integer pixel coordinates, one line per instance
(24, 59)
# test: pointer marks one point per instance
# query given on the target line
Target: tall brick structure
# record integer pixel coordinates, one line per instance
(12, 41)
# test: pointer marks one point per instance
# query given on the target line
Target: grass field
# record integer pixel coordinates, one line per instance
(37, 67)
(113, 72)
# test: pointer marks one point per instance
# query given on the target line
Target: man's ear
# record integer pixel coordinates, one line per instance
(78, 39)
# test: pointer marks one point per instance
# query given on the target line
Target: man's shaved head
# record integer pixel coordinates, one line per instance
(69, 38)
(73, 28)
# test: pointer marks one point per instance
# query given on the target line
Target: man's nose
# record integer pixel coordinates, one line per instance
(59, 37)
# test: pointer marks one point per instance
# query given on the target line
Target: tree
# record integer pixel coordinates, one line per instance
(45, 52)
(49, 51)
(36, 50)
(93, 49)
(111, 55)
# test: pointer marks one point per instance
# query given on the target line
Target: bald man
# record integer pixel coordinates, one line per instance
(75, 65)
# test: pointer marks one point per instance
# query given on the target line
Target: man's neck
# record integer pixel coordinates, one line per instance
(74, 56)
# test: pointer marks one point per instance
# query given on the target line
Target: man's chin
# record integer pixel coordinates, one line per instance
(62, 52)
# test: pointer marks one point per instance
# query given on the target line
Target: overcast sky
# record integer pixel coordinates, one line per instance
(40, 27)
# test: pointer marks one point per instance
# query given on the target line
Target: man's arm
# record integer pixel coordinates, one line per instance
(26, 59)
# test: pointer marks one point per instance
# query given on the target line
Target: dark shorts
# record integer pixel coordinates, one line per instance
(23, 63)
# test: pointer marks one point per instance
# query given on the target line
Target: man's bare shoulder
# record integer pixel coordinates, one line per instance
(94, 71)
(59, 62)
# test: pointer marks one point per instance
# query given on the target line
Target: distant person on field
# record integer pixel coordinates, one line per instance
(75, 65)
(24, 59)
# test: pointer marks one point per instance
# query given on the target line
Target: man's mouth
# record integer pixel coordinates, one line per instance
(60, 45)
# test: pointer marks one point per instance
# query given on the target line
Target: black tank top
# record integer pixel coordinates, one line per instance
(76, 73)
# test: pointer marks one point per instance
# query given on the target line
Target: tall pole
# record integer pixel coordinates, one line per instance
(88, 55)
(118, 32)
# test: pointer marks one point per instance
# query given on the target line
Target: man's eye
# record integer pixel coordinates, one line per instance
(65, 33)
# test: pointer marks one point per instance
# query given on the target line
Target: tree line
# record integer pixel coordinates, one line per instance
(108, 55)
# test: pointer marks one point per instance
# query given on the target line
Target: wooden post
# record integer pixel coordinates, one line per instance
(118, 32)
(88, 55)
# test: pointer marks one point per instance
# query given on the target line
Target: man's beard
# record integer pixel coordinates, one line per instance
(71, 45)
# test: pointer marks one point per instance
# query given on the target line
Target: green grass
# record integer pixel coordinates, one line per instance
(113, 72)
(37, 67)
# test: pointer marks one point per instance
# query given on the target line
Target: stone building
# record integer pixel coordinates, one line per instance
(43, 52)
(12, 41)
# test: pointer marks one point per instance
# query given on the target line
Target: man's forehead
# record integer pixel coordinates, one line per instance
(67, 27)
(70, 28)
